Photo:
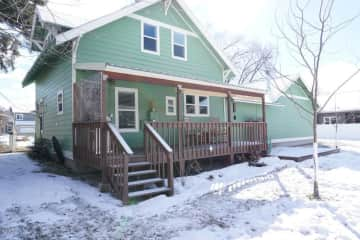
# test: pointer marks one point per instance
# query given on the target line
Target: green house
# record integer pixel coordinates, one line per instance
(139, 92)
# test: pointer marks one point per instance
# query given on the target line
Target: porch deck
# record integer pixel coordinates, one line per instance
(100, 145)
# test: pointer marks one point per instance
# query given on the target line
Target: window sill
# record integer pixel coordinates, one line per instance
(150, 52)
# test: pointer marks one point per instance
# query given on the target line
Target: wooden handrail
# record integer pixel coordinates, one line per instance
(158, 138)
(156, 149)
(100, 145)
(120, 139)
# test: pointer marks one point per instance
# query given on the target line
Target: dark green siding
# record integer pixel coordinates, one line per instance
(53, 78)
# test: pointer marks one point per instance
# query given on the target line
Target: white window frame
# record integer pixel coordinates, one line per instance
(173, 44)
(197, 106)
(61, 92)
(157, 39)
(19, 114)
(329, 118)
(128, 90)
(167, 98)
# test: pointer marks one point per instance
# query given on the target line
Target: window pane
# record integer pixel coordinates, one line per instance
(179, 39)
(190, 99)
(170, 102)
(203, 101)
(190, 109)
(126, 100)
(60, 98)
(150, 44)
(150, 30)
(60, 107)
(127, 119)
(179, 51)
(203, 110)
(171, 109)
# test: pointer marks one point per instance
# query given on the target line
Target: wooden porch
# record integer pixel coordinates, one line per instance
(100, 145)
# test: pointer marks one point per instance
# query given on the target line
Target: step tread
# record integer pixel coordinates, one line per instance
(143, 172)
(152, 191)
(145, 181)
(138, 164)
(132, 164)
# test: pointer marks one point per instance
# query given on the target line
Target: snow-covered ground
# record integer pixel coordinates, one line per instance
(297, 151)
(237, 202)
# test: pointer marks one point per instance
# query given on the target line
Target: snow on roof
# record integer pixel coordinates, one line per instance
(73, 13)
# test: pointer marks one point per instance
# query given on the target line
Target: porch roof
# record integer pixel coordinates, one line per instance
(116, 72)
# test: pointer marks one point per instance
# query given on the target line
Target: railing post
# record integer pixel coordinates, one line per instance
(170, 175)
(125, 187)
(104, 185)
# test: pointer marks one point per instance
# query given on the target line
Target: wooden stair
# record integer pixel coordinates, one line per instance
(143, 182)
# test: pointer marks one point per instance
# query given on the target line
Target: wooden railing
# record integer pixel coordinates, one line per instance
(99, 145)
(87, 144)
(160, 155)
(192, 140)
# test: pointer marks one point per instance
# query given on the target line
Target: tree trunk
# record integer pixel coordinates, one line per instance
(316, 194)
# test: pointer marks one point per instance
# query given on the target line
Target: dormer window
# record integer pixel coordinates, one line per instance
(179, 43)
(150, 38)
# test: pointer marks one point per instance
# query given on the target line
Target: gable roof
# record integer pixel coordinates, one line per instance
(132, 8)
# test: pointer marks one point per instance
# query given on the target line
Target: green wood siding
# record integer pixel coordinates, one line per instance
(148, 93)
(119, 43)
(53, 78)
(284, 121)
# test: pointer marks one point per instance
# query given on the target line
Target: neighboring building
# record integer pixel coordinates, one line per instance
(6, 118)
(149, 69)
(25, 123)
(340, 117)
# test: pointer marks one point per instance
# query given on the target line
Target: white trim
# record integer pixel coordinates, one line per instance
(184, 46)
(282, 140)
(116, 69)
(99, 22)
(60, 92)
(167, 106)
(196, 106)
(161, 24)
(298, 97)
(130, 90)
(157, 39)
(258, 102)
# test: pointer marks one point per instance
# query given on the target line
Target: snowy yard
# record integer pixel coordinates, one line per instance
(237, 202)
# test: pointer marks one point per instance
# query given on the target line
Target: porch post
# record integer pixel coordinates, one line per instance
(178, 103)
(263, 108)
(179, 111)
(104, 185)
(229, 110)
(103, 81)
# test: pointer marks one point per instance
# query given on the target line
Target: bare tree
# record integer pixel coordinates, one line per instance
(251, 59)
(307, 36)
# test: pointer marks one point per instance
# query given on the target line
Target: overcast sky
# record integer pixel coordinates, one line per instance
(254, 21)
